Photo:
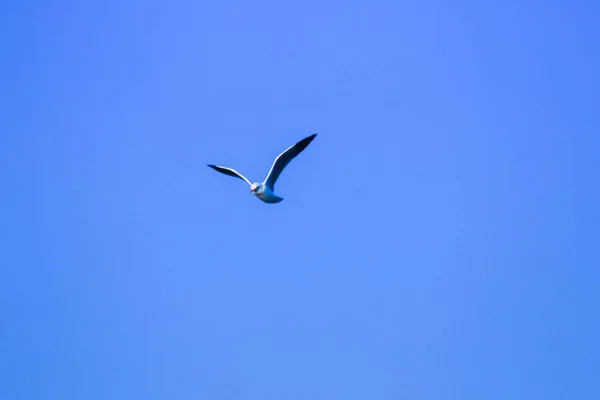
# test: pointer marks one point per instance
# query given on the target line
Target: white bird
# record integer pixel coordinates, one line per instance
(264, 190)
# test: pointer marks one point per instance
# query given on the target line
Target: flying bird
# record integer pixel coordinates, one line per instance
(264, 190)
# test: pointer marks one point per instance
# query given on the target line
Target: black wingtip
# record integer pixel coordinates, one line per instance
(301, 145)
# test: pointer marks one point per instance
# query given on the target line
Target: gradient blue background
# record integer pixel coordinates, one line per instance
(440, 239)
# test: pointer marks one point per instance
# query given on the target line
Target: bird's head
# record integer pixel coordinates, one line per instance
(255, 187)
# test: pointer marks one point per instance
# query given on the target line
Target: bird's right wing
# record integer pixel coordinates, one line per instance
(230, 172)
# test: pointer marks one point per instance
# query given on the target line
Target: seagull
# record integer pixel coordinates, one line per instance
(264, 190)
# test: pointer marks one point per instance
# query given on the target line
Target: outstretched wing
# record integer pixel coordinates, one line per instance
(284, 159)
(230, 172)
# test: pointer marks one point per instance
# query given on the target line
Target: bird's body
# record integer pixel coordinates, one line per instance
(267, 195)
(265, 190)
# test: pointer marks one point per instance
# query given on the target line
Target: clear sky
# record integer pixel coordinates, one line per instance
(439, 239)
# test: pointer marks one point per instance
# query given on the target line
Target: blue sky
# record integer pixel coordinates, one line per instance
(438, 239)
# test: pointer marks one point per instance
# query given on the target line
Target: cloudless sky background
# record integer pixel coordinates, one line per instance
(439, 239)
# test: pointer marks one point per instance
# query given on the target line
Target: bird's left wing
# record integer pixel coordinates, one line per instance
(284, 159)
(230, 172)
